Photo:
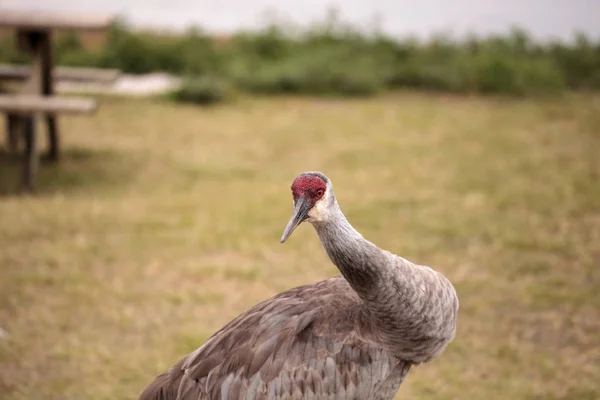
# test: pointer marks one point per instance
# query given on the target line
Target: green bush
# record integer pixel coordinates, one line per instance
(326, 72)
(204, 90)
(333, 58)
(456, 74)
(134, 53)
(517, 76)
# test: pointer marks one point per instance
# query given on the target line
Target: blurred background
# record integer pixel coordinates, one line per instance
(462, 135)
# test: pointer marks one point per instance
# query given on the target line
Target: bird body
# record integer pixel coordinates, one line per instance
(349, 337)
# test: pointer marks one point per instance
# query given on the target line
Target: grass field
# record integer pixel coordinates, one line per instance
(162, 223)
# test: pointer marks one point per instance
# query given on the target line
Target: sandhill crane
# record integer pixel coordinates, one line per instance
(349, 337)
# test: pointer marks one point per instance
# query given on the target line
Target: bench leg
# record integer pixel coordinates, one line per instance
(53, 139)
(30, 156)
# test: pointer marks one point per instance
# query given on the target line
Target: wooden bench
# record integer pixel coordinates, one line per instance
(34, 36)
(23, 109)
(44, 20)
(27, 104)
(75, 74)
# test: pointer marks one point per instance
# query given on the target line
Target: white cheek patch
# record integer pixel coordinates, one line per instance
(315, 213)
(319, 210)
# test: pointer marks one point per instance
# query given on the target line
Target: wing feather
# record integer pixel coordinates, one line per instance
(314, 341)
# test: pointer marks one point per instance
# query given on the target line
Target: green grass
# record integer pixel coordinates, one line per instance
(162, 223)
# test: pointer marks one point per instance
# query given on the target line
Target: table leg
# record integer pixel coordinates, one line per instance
(53, 138)
(12, 134)
(30, 161)
(48, 90)
(38, 44)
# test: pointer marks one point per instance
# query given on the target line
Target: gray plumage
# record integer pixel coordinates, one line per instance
(349, 337)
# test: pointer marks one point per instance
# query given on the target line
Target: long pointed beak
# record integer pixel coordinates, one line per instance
(301, 209)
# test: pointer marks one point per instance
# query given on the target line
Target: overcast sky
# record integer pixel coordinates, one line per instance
(542, 18)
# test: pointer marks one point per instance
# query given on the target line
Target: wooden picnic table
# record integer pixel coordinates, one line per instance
(34, 35)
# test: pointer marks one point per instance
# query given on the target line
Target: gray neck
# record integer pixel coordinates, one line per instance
(361, 263)
(413, 307)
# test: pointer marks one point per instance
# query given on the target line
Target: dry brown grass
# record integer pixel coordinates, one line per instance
(162, 223)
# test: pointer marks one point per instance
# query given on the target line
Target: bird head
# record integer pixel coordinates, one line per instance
(313, 198)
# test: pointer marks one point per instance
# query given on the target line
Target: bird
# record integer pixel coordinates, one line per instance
(352, 336)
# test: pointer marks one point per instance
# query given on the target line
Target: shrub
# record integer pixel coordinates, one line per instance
(332, 57)
(205, 90)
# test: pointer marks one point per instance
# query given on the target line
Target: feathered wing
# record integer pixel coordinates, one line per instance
(311, 342)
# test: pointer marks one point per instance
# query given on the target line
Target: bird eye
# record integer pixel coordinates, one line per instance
(320, 192)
